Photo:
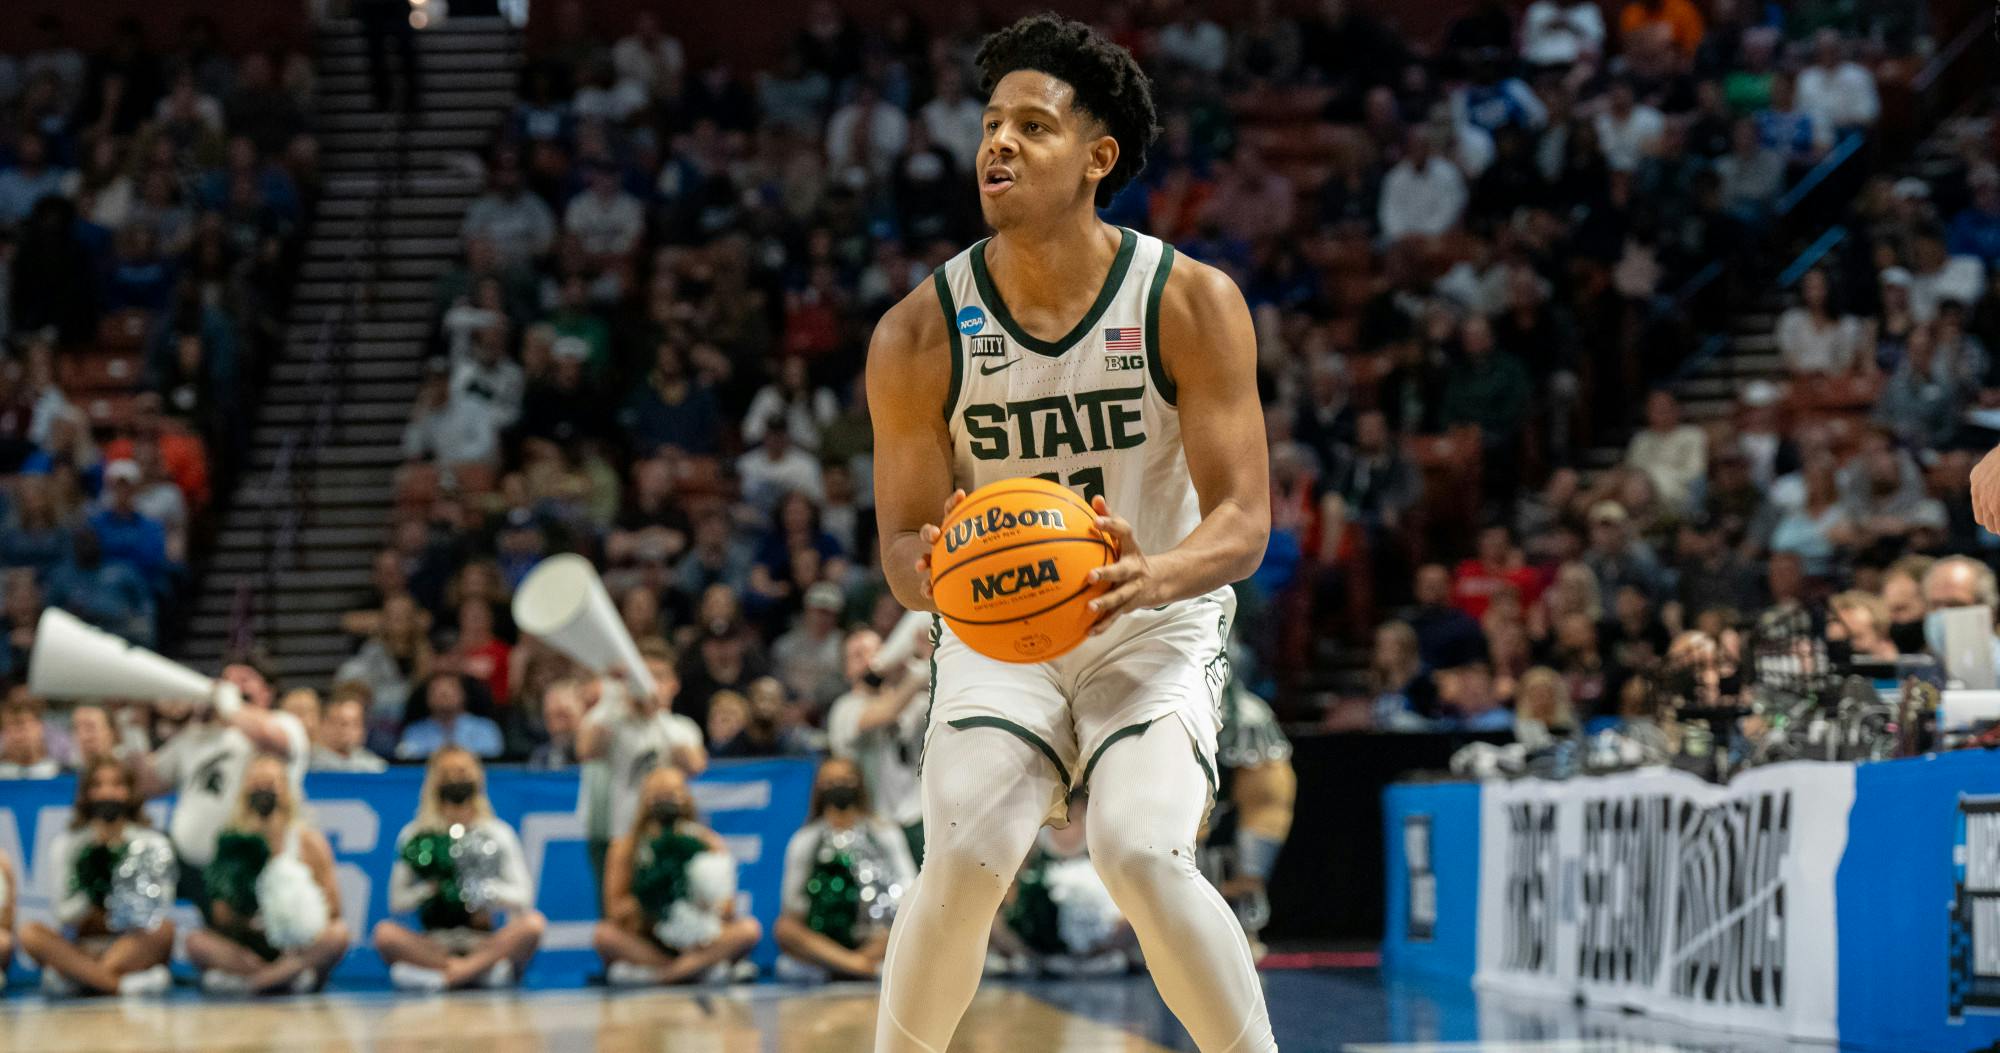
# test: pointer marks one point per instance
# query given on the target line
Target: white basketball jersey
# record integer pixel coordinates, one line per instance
(1093, 410)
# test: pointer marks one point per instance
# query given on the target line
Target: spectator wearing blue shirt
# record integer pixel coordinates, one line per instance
(1465, 688)
(31, 178)
(138, 277)
(449, 725)
(672, 409)
(1975, 231)
(126, 536)
(1793, 132)
(110, 596)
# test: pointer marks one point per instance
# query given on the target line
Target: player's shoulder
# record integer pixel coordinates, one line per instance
(1195, 289)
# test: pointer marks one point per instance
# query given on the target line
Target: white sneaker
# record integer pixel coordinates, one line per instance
(305, 983)
(218, 982)
(743, 971)
(152, 981)
(631, 974)
(56, 985)
(793, 971)
(405, 976)
(499, 974)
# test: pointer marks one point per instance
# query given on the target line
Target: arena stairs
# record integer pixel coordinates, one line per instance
(296, 544)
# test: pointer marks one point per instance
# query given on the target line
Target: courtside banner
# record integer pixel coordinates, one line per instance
(754, 805)
(1659, 892)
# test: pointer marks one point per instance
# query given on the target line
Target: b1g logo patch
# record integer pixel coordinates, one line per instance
(1120, 363)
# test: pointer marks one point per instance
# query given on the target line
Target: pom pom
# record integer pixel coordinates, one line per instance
(660, 872)
(92, 875)
(1086, 917)
(232, 876)
(291, 903)
(687, 927)
(142, 886)
(711, 881)
(478, 858)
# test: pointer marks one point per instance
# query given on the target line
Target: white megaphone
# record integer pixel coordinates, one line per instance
(563, 603)
(72, 659)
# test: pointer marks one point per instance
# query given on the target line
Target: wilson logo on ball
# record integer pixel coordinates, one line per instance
(966, 530)
(1009, 582)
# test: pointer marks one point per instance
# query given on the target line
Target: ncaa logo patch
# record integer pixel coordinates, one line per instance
(971, 320)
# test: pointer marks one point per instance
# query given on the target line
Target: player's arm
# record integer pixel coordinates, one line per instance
(909, 378)
(1209, 350)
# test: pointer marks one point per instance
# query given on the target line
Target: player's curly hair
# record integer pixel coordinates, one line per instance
(1108, 82)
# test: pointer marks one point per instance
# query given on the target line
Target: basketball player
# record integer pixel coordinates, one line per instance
(1066, 348)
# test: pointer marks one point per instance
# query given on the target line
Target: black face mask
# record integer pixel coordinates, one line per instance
(841, 795)
(665, 813)
(107, 811)
(264, 802)
(457, 792)
(1908, 636)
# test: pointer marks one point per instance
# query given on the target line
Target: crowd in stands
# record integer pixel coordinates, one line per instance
(151, 197)
(1453, 249)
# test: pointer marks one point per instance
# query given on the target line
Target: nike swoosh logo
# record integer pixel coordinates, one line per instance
(987, 371)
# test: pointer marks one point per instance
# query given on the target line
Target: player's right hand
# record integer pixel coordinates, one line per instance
(929, 535)
(1986, 491)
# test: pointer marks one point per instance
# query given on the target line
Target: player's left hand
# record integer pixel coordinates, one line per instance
(1133, 583)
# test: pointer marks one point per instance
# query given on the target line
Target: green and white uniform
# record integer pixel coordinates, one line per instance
(1096, 412)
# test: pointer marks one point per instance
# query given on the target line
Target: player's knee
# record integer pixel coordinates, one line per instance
(1135, 863)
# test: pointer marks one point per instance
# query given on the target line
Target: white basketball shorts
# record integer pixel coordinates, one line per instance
(1154, 663)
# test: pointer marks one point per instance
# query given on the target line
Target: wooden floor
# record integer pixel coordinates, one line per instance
(747, 1020)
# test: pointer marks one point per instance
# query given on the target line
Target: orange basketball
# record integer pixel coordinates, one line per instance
(1007, 573)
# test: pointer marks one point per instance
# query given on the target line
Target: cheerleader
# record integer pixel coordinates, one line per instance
(670, 894)
(273, 911)
(845, 872)
(1254, 816)
(111, 894)
(461, 869)
(6, 918)
(1059, 918)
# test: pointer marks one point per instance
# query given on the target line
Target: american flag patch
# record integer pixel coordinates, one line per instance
(1123, 339)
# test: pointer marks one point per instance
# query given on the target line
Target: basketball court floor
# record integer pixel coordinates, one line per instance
(1313, 1011)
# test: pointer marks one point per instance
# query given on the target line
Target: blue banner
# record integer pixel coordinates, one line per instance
(1431, 832)
(1919, 897)
(754, 805)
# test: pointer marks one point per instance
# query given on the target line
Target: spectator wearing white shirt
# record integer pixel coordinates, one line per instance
(441, 431)
(24, 750)
(1561, 32)
(1193, 41)
(605, 97)
(650, 59)
(606, 220)
(517, 223)
(343, 730)
(1627, 130)
(1812, 339)
(1424, 195)
(1838, 93)
(1936, 276)
(806, 409)
(632, 735)
(877, 726)
(777, 467)
(489, 382)
(953, 118)
(1751, 175)
(866, 133)
(1672, 454)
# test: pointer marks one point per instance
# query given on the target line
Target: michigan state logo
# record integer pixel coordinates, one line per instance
(1016, 579)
